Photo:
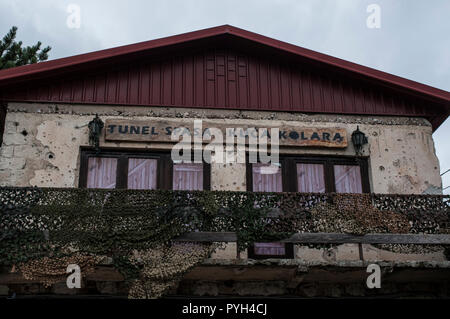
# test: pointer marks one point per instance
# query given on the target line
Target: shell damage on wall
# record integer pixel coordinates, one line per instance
(49, 154)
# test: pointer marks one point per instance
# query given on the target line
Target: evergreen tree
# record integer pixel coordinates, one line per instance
(12, 54)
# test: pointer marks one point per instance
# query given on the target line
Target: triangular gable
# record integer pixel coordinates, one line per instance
(223, 67)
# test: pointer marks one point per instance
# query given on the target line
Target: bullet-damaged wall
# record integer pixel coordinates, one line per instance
(41, 147)
(41, 144)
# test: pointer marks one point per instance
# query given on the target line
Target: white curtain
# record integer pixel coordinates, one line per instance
(102, 172)
(310, 178)
(188, 176)
(266, 178)
(142, 173)
(347, 179)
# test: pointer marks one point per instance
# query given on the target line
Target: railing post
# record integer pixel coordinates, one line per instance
(361, 255)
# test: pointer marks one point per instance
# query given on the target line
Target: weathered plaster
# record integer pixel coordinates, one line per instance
(174, 112)
(401, 150)
(41, 147)
(228, 177)
(347, 252)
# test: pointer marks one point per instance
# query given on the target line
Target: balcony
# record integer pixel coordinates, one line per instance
(57, 223)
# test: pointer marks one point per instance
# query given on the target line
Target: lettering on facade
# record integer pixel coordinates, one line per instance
(161, 131)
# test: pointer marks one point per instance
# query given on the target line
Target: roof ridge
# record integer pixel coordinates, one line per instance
(61, 63)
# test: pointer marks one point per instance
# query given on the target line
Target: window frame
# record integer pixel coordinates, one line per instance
(290, 183)
(289, 165)
(164, 178)
(288, 247)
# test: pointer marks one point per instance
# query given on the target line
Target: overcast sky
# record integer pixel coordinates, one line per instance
(413, 40)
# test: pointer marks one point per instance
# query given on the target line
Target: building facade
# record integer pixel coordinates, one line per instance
(226, 77)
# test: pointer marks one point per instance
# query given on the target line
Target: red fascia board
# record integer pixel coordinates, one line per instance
(73, 61)
(108, 53)
(343, 64)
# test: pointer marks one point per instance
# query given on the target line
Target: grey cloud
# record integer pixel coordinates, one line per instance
(412, 42)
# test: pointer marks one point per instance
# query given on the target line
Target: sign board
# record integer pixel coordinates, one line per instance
(161, 131)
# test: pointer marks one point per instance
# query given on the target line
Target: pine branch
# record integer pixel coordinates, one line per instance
(12, 54)
(8, 40)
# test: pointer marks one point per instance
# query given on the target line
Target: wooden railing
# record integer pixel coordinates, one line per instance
(329, 238)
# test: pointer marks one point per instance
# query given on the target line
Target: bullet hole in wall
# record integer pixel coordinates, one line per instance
(329, 254)
(24, 133)
(50, 155)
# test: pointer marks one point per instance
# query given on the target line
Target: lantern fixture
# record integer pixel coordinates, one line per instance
(359, 139)
(95, 129)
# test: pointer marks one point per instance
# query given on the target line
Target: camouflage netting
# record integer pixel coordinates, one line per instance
(42, 230)
(52, 270)
(162, 268)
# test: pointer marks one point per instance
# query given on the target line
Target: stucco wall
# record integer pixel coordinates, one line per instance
(42, 141)
(41, 144)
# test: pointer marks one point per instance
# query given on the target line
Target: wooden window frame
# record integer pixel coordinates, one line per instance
(288, 247)
(290, 183)
(289, 166)
(164, 178)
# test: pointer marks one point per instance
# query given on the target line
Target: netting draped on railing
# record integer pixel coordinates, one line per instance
(40, 226)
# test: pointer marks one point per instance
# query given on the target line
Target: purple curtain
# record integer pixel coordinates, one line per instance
(347, 179)
(269, 249)
(310, 178)
(188, 176)
(102, 172)
(142, 173)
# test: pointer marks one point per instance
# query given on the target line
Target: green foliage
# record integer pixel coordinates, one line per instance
(12, 53)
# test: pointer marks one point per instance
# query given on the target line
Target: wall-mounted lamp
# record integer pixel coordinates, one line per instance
(358, 140)
(95, 129)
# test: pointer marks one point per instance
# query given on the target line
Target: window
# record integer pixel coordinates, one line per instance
(188, 176)
(306, 175)
(102, 172)
(141, 170)
(310, 178)
(347, 179)
(268, 178)
(310, 175)
(142, 173)
(323, 174)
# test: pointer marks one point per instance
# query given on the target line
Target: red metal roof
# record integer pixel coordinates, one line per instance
(224, 67)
